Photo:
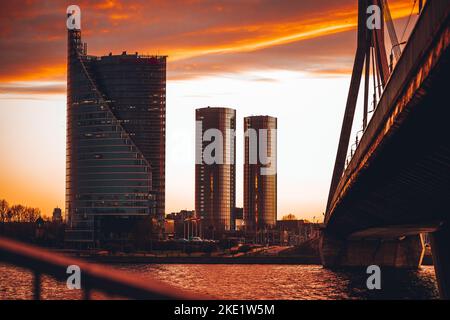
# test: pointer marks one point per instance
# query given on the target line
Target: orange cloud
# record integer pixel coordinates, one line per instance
(33, 87)
(34, 47)
(119, 16)
(267, 35)
(48, 72)
(109, 4)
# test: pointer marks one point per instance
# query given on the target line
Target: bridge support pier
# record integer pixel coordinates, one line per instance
(440, 244)
(405, 252)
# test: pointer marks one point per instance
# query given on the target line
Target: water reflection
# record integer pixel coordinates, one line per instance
(248, 282)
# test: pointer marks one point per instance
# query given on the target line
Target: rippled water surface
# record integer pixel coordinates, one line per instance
(248, 282)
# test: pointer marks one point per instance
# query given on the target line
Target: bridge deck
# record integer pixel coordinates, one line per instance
(400, 172)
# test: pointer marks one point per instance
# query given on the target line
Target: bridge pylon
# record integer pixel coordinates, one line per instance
(372, 58)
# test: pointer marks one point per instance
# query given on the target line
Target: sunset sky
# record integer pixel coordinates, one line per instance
(288, 59)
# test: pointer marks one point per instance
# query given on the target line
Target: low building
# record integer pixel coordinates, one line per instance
(186, 224)
(238, 216)
(57, 215)
(238, 213)
(239, 224)
(169, 228)
(295, 232)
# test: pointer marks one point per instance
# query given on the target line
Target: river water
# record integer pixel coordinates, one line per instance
(248, 282)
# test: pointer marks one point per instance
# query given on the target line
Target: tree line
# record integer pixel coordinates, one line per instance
(17, 212)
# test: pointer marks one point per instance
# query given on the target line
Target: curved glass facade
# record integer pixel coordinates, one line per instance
(109, 181)
(215, 184)
(260, 190)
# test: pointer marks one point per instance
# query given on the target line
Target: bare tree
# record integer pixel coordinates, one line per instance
(17, 213)
(4, 208)
(31, 214)
(290, 216)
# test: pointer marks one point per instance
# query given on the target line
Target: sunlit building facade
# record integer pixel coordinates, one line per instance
(115, 168)
(215, 184)
(260, 183)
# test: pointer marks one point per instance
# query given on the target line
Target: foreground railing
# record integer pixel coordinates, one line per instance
(93, 277)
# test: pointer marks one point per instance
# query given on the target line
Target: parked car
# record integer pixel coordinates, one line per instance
(182, 240)
(196, 240)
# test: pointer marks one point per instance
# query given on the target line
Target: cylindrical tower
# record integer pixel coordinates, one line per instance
(215, 170)
(260, 175)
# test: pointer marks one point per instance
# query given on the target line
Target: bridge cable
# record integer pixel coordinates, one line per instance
(409, 20)
(395, 46)
(374, 75)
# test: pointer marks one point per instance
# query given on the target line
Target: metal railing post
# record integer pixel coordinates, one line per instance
(37, 285)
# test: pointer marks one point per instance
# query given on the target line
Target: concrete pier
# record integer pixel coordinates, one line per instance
(440, 247)
(404, 252)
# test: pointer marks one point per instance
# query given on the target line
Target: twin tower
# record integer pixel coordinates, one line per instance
(215, 171)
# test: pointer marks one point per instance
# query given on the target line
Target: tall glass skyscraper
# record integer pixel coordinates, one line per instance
(215, 183)
(260, 177)
(115, 180)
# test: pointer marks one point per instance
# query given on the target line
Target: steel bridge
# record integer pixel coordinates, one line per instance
(394, 184)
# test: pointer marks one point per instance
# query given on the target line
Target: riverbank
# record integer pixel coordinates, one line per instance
(114, 259)
(271, 255)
